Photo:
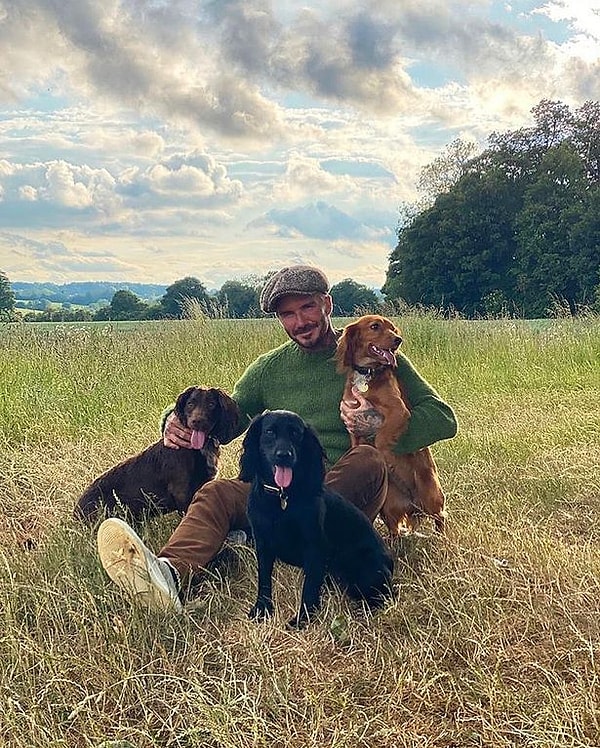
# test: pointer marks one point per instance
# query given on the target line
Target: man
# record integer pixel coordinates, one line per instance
(299, 375)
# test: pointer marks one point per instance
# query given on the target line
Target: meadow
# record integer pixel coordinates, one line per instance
(492, 641)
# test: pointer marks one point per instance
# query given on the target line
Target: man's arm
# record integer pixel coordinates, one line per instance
(360, 417)
(431, 419)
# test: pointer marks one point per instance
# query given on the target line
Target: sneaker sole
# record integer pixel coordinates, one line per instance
(129, 564)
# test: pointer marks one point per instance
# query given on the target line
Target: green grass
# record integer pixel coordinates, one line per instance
(493, 639)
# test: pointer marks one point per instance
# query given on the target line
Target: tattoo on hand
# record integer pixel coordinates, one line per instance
(367, 423)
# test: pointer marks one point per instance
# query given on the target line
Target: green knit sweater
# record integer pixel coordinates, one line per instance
(292, 378)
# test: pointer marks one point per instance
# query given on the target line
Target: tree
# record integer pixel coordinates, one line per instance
(444, 172)
(460, 251)
(182, 293)
(238, 299)
(546, 258)
(586, 139)
(125, 305)
(520, 227)
(7, 299)
(349, 297)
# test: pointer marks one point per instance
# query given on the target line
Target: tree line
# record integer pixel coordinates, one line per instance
(185, 298)
(513, 230)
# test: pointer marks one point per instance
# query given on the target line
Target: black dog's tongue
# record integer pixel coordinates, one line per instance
(282, 475)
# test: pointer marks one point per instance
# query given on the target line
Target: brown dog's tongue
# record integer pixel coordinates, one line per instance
(283, 476)
(198, 439)
(384, 354)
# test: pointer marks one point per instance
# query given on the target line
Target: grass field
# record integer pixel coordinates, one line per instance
(494, 639)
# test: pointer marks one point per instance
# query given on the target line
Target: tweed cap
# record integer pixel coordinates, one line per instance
(296, 279)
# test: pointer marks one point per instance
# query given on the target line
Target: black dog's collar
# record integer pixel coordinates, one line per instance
(283, 499)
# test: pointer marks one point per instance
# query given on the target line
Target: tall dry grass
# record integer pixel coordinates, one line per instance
(493, 639)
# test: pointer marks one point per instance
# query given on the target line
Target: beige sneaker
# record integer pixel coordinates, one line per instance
(135, 569)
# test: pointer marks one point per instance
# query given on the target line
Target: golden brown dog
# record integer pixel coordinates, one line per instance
(366, 353)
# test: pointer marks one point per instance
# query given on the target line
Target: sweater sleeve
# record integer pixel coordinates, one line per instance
(431, 418)
(247, 393)
(164, 415)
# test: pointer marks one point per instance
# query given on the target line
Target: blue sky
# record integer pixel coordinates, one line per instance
(147, 140)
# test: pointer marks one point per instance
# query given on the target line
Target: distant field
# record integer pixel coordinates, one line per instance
(493, 641)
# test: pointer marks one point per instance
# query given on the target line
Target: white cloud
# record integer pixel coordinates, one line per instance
(177, 138)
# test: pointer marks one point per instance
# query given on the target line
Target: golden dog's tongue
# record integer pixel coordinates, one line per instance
(389, 357)
(384, 354)
(283, 476)
(198, 439)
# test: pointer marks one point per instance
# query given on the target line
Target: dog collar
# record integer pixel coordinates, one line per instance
(283, 500)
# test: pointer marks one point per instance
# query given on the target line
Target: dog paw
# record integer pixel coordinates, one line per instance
(261, 611)
(298, 622)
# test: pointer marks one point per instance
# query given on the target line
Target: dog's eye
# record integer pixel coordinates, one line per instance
(375, 326)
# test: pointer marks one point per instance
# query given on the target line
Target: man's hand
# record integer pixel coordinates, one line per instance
(175, 434)
(360, 417)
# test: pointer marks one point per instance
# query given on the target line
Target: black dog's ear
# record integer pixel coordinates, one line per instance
(250, 457)
(312, 461)
(182, 399)
(228, 418)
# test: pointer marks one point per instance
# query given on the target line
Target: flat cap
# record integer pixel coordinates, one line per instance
(296, 279)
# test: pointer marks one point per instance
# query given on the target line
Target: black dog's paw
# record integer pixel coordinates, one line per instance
(299, 621)
(295, 623)
(261, 611)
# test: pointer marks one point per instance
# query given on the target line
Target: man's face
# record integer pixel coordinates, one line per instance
(306, 319)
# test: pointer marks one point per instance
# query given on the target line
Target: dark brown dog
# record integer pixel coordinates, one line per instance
(160, 480)
(366, 353)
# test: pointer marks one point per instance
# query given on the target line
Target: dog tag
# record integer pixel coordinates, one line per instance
(360, 381)
(283, 501)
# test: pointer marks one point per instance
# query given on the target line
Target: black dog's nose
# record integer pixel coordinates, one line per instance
(283, 456)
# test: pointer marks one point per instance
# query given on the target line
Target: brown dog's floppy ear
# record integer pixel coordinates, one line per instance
(345, 349)
(250, 457)
(228, 417)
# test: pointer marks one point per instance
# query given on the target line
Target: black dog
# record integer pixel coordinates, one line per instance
(296, 519)
(160, 480)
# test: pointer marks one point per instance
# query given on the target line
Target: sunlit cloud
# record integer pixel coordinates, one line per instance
(155, 140)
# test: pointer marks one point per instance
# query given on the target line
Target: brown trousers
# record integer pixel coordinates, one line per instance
(218, 507)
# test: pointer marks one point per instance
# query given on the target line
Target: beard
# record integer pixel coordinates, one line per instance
(312, 336)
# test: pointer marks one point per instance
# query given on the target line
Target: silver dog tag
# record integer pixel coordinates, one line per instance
(361, 382)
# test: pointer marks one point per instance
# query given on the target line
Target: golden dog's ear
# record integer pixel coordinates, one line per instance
(345, 348)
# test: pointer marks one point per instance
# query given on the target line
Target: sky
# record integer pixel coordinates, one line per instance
(149, 140)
